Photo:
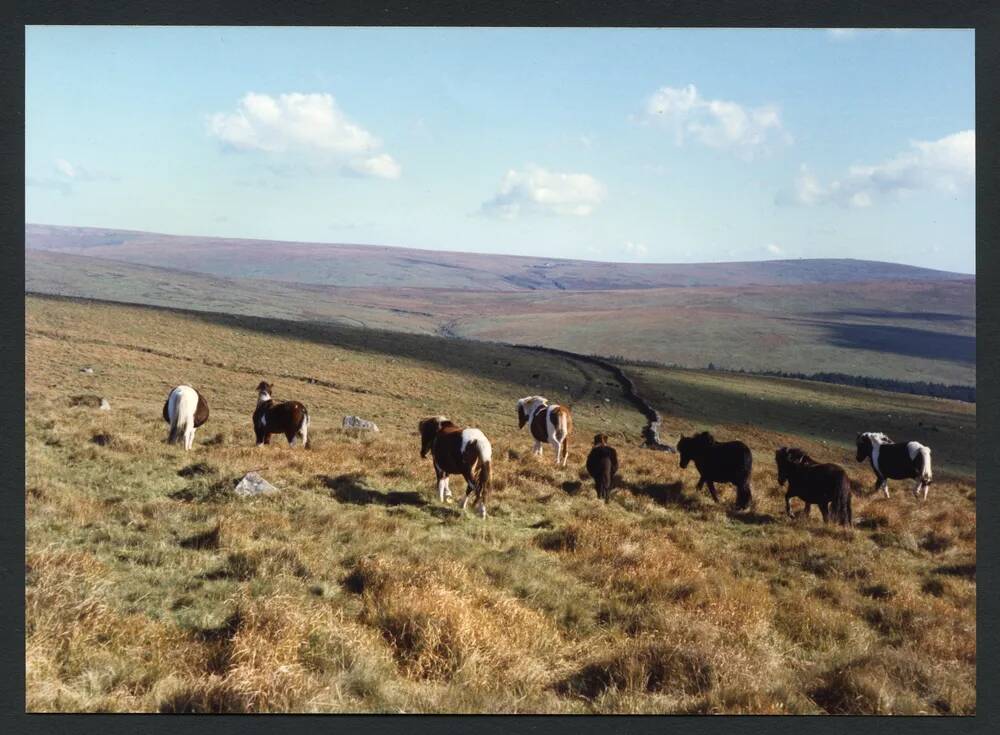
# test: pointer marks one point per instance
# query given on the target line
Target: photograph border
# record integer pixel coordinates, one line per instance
(981, 15)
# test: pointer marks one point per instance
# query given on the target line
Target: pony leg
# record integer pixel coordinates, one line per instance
(927, 488)
(538, 448)
(442, 480)
(825, 510)
(188, 437)
(470, 486)
(557, 448)
(788, 505)
(711, 489)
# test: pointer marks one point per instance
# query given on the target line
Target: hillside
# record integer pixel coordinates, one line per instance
(150, 587)
(903, 330)
(388, 267)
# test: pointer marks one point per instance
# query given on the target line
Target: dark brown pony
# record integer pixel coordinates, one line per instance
(602, 464)
(271, 417)
(825, 485)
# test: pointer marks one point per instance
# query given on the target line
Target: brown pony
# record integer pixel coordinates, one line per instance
(270, 417)
(457, 451)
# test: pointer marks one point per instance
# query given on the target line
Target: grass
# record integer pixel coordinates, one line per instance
(151, 587)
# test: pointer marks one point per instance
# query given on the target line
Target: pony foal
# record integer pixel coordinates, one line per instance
(602, 464)
(457, 451)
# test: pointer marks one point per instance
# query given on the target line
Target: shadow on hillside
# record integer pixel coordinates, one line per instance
(750, 517)
(352, 489)
(488, 361)
(905, 341)
(664, 493)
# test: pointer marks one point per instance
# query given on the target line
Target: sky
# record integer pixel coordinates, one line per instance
(650, 145)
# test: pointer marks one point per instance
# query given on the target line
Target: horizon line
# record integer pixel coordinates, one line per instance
(488, 254)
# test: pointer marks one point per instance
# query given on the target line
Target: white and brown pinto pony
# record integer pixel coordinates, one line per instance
(271, 417)
(549, 423)
(896, 461)
(185, 410)
(457, 451)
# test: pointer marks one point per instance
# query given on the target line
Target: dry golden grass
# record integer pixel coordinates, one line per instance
(150, 587)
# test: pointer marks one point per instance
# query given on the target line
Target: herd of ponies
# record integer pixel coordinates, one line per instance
(466, 451)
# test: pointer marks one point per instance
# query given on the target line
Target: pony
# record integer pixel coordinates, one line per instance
(896, 461)
(287, 417)
(185, 410)
(457, 451)
(825, 485)
(729, 462)
(602, 464)
(550, 423)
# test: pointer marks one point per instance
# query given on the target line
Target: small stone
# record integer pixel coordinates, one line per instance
(87, 370)
(359, 424)
(253, 484)
(105, 406)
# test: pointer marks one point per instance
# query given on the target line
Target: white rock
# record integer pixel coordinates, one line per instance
(87, 370)
(105, 406)
(253, 484)
(359, 424)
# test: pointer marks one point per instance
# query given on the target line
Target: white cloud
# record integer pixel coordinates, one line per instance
(845, 34)
(636, 249)
(536, 190)
(947, 164)
(715, 123)
(65, 175)
(773, 248)
(382, 166)
(298, 123)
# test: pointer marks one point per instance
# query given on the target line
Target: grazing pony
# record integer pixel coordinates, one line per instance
(896, 461)
(550, 423)
(729, 462)
(270, 417)
(457, 451)
(602, 464)
(185, 410)
(825, 485)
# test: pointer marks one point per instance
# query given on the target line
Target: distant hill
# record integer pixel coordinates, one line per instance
(386, 267)
(919, 330)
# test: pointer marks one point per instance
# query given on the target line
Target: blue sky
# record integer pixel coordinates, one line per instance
(660, 145)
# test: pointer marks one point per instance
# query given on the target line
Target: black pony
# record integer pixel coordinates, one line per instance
(719, 462)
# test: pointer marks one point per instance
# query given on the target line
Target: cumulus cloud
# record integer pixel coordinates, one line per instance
(746, 131)
(947, 164)
(773, 248)
(296, 123)
(536, 190)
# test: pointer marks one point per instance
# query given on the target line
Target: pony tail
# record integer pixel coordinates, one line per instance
(485, 474)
